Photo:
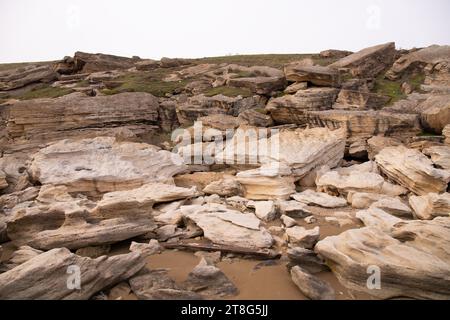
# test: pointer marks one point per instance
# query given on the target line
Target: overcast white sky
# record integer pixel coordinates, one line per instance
(33, 30)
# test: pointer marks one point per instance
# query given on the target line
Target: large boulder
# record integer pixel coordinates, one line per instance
(34, 123)
(47, 276)
(228, 227)
(435, 113)
(94, 62)
(439, 155)
(412, 170)
(431, 205)
(56, 219)
(317, 75)
(20, 77)
(294, 108)
(103, 164)
(369, 62)
(357, 178)
(412, 259)
(356, 94)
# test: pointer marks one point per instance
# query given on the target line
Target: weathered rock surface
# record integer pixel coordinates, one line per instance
(264, 210)
(301, 237)
(226, 187)
(440, 156)
(356, 94)
(357, 178)
(34, 123)
(412, 170)
(321, 199)
(102, 164)
(293, 208)
(210, 282)
(365, 124)
(430, 205)
(47, 275)
(368, 62)
(416, 60)
(317, 75)
(94, 62)
(435, 113)
(413, 259)
(306, 259)
(146, 249)
(294, 108)
(378, 143)
(393, 206)
(20, 77)
(56, 219)
(228, 227)
(446, 134)
(157, 285)
(311, 286)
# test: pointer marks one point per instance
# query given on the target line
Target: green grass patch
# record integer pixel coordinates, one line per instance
(43, 91)
(146, 82)
(271, 60)
(228, 91)
(416, 81)
(10, 66)
(389, 88)
(428, 134)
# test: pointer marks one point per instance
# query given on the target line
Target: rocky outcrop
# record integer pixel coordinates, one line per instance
(20, 77)
(294, 108)
(94, 62)
(103, 164)
(431, 205)
(357, 178)
(317, 75)
(412, 170)
(435, 113)
(355, 94)
(418, 59)
(412, 259)
(56, 219)
(34, 123)
(369, 62)
(228, 227)
(201, 105)
(47, 276)
(365, 124)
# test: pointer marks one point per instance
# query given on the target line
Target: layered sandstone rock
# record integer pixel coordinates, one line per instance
(321, 199)
(20, 77)
(365, 124)
(446, 134)
(294, 108)
(412, 170)
(435, 113)
(317, 75)
(47, 276)
(357, 178)
(228, 227)
(416, 60)
(431, 205)
(94, 62)
(56, 219)
(102, 164)
(412, 258)
(368, 62)
(440, 156)
(34, 123)
(356, 94)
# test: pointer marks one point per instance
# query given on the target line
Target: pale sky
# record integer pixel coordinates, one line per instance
(37, 30)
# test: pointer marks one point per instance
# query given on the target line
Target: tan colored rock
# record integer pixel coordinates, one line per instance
(302, 237)
(317, 75)
(440, 156)
(418, 59)
(413, 259)
(293, 208)
(229, 227)
(378, 143)
(54, 268)
(357, 178)
(226, 187)
(93, 252)
(431, 205)
(297, 86)
(435, 113)
(146, 249)
(362, 125)
(377, 218)
(103, 164)
(3, 182)
(56, 219)
(394, 206)
(412, 170)
(311, 286)
(294, 108)
(356, 94)
(446, 134)
(22, 76)
(255, 118)
(368, 62)
(93, 62)
(35, 123)
(264, 210)
(321, 199)
(362, 200)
